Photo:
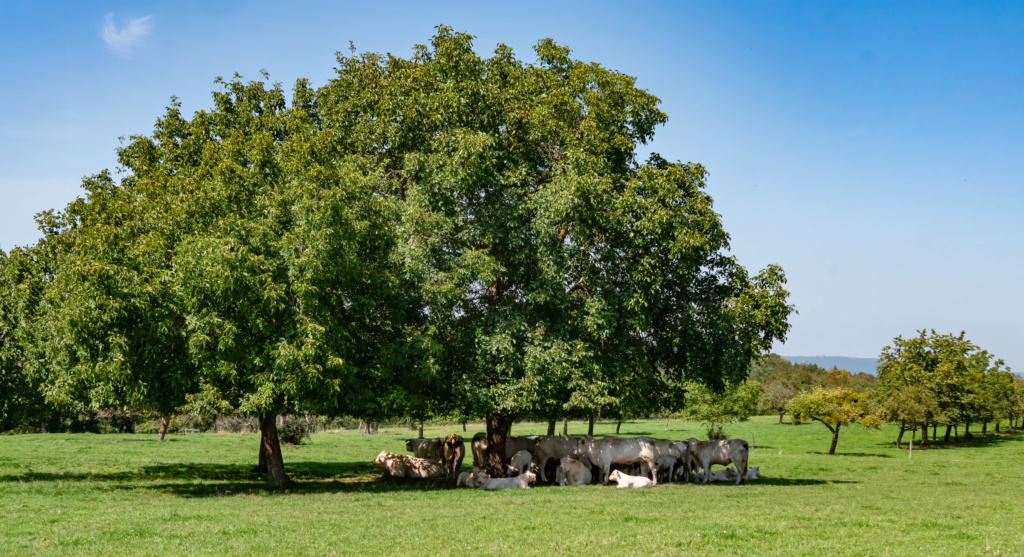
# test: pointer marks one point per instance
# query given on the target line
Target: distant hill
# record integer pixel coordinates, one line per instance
(853, 365)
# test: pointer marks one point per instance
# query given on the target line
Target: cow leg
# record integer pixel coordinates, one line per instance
(606, 470)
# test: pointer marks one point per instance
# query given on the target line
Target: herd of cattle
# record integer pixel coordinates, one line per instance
(631, 462)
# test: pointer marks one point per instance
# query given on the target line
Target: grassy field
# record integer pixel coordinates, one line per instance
(129, 495)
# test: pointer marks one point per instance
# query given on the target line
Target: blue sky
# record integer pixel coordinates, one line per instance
(873, 149)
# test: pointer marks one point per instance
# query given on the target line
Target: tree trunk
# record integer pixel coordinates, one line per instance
(667, 420)
(165, 421)
(421, 429)
(617, 427)
(984, 427)
(781, 414)
(899, 438)
(924, 433)
(967, 429)
(956, 432)
(835, 440)
(463, 427)
(997, 425)
(935, 431)
(565, 426)
(551, 428)
(949, 430)
(498, 427)
(590, 426)
(271, 449)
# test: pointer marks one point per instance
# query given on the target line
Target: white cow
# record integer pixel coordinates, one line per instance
(425, 448)
(614, 450)
(556, 447)
(472, 479)
(625, 480)
(666, 454)
(520, 463)
(709, 453)
(518, 482)
(405, 466)
(573, 472)
(753, 473)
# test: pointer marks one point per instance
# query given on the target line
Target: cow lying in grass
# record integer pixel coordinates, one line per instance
(625, 480)
(730, 474)
(472, 479)
(405, 466)
(573, 472)
(518, 482)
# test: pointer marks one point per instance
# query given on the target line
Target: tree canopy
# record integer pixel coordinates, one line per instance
(445, 233)
(945, 379)
(834, 408)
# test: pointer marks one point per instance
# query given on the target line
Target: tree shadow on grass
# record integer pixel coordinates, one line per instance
(223, 480)
(789, 482)
(841, 454)
(216, 480)
(990, 439)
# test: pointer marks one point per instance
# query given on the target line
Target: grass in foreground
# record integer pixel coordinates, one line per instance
(129, 494)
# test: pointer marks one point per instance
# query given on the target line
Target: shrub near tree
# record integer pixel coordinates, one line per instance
(736, 402)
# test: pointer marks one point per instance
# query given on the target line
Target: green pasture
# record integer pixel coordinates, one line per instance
(130, 495)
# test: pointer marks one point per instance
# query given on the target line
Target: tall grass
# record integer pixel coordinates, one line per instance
(130, 495)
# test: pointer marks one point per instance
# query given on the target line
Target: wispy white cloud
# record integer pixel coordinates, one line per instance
(122, 42)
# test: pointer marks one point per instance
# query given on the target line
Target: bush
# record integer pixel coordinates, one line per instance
(292, 432)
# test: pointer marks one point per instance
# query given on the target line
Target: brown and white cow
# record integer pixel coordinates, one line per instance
(405, 466)
(454, 451)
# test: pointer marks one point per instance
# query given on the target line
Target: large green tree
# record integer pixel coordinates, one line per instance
(445, 233)
(555, 268)
(243, 264)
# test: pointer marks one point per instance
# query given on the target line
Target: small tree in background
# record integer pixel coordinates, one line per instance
(835, 408)
(736, 402)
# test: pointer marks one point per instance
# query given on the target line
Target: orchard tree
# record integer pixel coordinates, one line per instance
(956, 381)
(736, 402)
(835, 408)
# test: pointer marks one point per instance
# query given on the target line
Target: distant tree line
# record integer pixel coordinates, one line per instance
(933, 380)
